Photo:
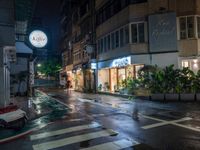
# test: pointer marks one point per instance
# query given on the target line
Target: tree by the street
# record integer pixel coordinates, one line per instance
(49, 67)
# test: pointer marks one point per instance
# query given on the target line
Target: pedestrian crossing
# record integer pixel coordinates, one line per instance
(91, 134)
(64, 131)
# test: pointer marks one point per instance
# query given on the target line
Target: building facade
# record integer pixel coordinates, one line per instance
(78, 43)
(128, 34)
(7, 48)
(134, 33)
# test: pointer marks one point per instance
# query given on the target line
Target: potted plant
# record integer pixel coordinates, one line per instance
(186, 82)
(144, 81)
(100, 87)
(157, 85)
(123, 87)
(106, 86)
(171, 81)
(196, 85)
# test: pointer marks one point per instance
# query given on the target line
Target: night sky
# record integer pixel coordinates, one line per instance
(48, 12)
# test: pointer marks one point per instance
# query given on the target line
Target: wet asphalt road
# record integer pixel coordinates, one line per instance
(171, 126)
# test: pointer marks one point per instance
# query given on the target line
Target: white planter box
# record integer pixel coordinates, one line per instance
(187, 97)
(172, 97)
(157, 97)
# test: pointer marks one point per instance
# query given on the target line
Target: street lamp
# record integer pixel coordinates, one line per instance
(39, 65)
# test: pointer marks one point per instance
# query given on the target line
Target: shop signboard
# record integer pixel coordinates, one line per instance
(121, 62)
(93, 65)
(38, 38)
(162, 32)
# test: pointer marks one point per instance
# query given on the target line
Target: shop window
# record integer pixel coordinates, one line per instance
(137, 68)
(185, 63)
(130, 71)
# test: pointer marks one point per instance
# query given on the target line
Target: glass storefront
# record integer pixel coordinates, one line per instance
(193, 64)
(78, 80)
(112, 79)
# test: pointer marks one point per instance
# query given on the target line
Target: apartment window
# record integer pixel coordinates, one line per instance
(101, 46)
(105, 44)
(137, 33)
(183, 28)
(126, 32)
(121, 37)
(116, 39)
(190, 27)
(113, 40)
(98, 46)
(187, 27)
(198, 26)
(108, 38)
(141, 32)
(134, 33)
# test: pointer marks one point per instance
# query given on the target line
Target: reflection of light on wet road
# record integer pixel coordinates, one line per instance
(64, 131)
(74, 139)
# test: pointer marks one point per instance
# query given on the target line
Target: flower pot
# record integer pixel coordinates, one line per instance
(172, 97)
(157, 97)
(187, 97)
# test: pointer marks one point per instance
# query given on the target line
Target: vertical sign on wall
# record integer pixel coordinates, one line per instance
(31, 70)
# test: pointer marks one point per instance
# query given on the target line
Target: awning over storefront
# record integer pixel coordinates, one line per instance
(21, 47)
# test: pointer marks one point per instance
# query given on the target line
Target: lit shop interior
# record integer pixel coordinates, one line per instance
(110, 79)
(192, 64)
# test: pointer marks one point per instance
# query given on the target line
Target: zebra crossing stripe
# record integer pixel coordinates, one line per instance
(116, 145)
(73, 139)
(64, 131)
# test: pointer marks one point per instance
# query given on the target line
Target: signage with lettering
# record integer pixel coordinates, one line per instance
(93, 65)
(162, 32)
(38, 38)
(121, 62)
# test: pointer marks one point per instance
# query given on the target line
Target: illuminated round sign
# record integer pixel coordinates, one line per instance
(38, 38)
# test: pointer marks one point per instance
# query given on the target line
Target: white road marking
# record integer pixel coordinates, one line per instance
(64, 131)
(115, 145)
(73, 139)
(164, 122)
